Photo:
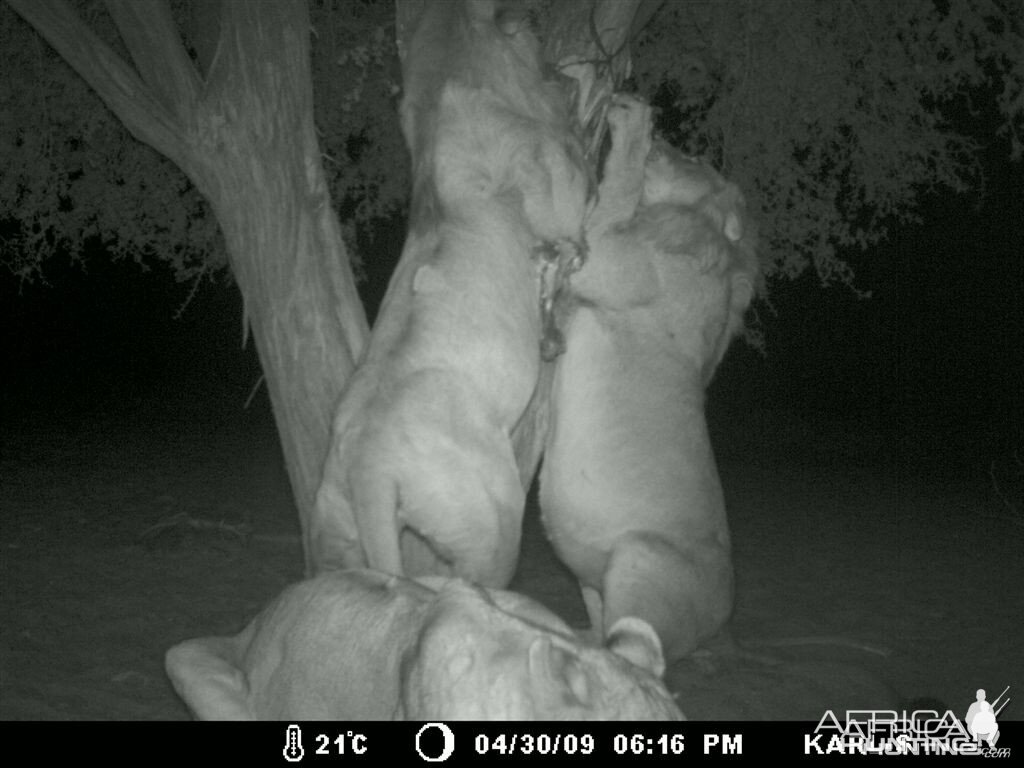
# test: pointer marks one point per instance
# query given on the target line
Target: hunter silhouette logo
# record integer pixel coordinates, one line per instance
(981, 717)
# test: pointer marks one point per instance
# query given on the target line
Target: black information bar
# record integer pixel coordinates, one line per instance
(352, 744)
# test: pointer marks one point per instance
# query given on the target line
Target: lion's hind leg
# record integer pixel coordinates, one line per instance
(333, 538)
(684, 593)
(455, 521)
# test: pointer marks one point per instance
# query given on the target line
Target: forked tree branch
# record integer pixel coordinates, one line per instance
(120, 88)
(152, 38)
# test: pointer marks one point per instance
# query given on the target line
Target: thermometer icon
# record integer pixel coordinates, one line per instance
(293, 751)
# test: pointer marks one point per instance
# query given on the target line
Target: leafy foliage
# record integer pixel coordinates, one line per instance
(74, 179)
(76, 182)
(357, 82)
(834, 117)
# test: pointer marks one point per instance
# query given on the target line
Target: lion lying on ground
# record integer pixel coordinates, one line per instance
(359, 645)
(421, 477)
(629, 490)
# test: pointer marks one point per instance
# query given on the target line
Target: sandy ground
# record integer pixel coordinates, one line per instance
(870, 571)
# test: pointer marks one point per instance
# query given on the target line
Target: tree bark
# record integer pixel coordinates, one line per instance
(246, 138)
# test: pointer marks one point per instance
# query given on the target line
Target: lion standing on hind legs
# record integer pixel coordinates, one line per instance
(420, 477)
(630, 494)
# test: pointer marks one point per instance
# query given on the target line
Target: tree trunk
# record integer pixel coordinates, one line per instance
(245, 136)
(263, 176)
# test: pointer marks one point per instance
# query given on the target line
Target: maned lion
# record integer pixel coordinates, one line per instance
(421, 477)
(630, 493)
(360, 645)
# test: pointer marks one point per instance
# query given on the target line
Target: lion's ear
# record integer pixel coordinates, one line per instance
(637, 642)
(562, 668)
(733, 227)
(206, 674)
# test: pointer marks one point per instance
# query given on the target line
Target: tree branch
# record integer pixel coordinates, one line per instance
(406, 14)
(589, 42)
(152, 38)
(106, 73)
